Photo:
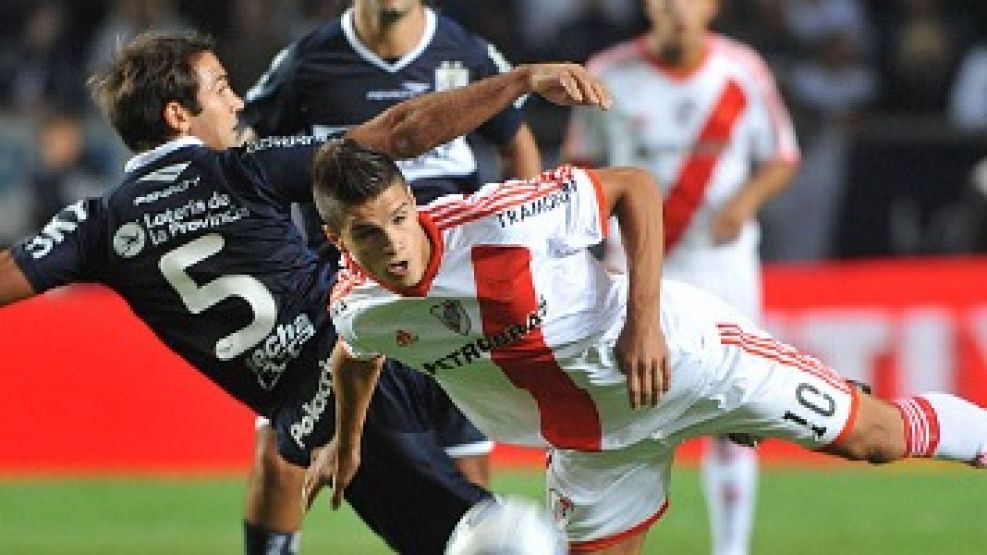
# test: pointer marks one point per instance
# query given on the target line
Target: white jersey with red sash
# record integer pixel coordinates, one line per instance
(514, 318)
(700, 133)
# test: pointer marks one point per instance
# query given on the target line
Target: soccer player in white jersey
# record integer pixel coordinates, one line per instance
(702, 113)
(496, 296)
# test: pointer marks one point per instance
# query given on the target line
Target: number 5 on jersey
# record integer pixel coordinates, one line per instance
(198, 298)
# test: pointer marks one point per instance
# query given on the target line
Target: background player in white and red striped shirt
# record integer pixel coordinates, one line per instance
(701, 112)
(496, 296)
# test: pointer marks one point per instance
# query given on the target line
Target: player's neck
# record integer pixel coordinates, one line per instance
(685, 58)
(392, 39)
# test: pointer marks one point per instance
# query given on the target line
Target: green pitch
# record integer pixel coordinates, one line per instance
(913, 509)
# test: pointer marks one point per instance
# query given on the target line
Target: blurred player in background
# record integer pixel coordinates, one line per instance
(378, 53)
(702, 113)
(199, 241)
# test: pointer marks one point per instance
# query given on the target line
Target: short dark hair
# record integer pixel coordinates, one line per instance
(346, 173)
(146, 74)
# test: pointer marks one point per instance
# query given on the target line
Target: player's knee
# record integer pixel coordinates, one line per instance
(876, 436)
(874, 444)
(270, 468)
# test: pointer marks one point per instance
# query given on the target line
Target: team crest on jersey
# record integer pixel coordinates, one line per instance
(562, 507)
(450, 75)
(129, 240)
(453, 315)
(405, 338)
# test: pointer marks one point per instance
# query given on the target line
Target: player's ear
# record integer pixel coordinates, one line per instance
(177, 117)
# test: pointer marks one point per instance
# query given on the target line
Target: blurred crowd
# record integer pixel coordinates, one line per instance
(872, 85)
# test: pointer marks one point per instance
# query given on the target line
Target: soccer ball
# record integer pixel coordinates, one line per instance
(506, 526)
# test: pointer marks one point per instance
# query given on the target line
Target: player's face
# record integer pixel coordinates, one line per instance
(216, 124)
(679, 25)
(384, 237)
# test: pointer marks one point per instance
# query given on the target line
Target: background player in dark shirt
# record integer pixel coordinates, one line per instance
(344, 72)
(199, 242)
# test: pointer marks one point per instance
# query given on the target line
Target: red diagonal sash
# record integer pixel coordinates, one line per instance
(687, 194)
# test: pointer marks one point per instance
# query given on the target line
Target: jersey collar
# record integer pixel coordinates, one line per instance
(431, 270)
(349, 31)
(149, 156)
(677, 73)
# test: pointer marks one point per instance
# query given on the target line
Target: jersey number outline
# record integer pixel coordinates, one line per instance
(199, 298)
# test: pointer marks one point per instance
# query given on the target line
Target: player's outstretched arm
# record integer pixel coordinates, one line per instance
(415, 126)
(634, 198)
(354, 382)
(13, 283)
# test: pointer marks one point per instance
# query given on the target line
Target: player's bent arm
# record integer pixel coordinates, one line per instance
(14, 285)
(521, 157)
(354, 382)
(633, 196)
(416, 126)
(770, 179)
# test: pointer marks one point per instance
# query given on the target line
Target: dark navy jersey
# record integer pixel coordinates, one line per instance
(202, 247)
(328, 80)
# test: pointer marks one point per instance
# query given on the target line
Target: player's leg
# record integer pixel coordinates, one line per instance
(606, 502)
(729, 471)
(407, 489)
(729, 480)
(930, 425)
(469, 447)
(785, 394)
(272, 513)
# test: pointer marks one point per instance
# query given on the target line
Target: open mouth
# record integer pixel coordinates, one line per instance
(398, 269)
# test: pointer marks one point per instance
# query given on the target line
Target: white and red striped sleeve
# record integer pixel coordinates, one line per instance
(562, 208)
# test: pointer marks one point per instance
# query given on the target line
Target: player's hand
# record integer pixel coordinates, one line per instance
(333, 466)
(568, 85)
(642, 356)
(729, 221)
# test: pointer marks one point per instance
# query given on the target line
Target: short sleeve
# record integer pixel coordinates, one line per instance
(283, 163)
(773, 132)
(69, 249)
(586, 220)
(562, 210)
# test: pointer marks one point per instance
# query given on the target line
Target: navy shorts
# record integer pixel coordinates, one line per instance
(407, 488)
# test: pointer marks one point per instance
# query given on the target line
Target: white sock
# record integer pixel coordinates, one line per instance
(729, 474)
(943, 426)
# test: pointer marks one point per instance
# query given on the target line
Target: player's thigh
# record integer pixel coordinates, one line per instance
(409, 491)
(769, 389)
(601, 499)
(455, 432)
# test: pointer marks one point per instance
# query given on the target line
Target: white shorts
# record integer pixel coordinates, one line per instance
(761, 387)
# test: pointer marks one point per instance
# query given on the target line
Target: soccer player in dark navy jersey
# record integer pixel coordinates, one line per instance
(377, 54)
(344, 72)
(198, 240)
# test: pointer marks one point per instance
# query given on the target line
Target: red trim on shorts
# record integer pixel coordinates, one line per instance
(610, 541)
(851, 419)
